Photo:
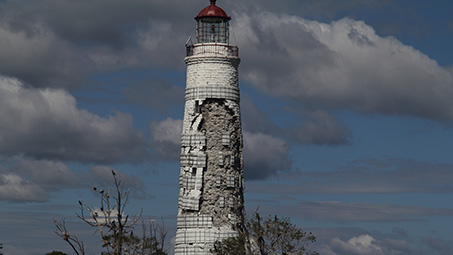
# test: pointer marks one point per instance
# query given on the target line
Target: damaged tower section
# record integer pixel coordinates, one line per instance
(211, 199)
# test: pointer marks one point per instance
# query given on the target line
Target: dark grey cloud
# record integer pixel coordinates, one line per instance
(41, 59)
(318, 127)
(46, 124)
(93, 22)
(59, 43)
(264, 156)
(307, 126)
(441, 247)
(368, 176)
(45, 173)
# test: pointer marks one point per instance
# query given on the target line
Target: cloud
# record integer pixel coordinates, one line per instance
(440, 246)
(27, 53)
(45, 173)
(360, 245)
(264, 155)
(341, 65)
(166, 137)
(370, 176)
(358, 241)
(366, 244)
(384, 244)
(74, 41)
(81, 22)
(313, 9)
(307, 126)
(14, 188)
(319, 127)
(46, 124)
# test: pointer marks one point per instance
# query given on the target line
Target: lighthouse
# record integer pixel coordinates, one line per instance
(211, 201)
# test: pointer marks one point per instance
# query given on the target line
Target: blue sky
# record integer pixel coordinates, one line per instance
(346, 109)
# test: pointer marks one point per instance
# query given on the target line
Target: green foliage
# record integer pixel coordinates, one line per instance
(1, 247)
(56, 253)
(230, 246)
(275, 235)
(267, 236)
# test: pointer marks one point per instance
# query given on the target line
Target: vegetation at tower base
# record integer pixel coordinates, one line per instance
(269, 235)
(115, 227)
(56, 253)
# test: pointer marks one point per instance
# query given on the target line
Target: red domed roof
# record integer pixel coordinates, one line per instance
(213, 11)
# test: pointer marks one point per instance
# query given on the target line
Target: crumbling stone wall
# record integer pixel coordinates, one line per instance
(222, 184)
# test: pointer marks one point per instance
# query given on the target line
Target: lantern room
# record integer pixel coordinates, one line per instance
(212, 25)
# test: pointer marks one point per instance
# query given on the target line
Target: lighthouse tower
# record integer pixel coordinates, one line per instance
(211, 199)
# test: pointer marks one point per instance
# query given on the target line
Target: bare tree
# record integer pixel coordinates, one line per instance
(110, 220)
(115, 226)
(72, 240)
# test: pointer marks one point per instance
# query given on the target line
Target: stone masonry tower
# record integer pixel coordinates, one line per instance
(211, 199)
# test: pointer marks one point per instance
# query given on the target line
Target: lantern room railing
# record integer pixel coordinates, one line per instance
(213, 49)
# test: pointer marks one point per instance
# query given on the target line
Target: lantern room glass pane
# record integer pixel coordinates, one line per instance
(212, 31)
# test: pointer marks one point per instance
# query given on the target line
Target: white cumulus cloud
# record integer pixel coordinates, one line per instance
(360, 245)
(342, 65)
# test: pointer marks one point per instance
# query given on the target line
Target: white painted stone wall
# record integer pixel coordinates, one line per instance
(211, 179)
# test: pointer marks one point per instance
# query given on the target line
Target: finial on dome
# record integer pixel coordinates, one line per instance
(213, 2)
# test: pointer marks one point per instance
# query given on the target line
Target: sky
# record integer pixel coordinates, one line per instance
(346, 111)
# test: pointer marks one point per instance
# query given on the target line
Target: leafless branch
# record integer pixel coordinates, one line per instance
(72, 240)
